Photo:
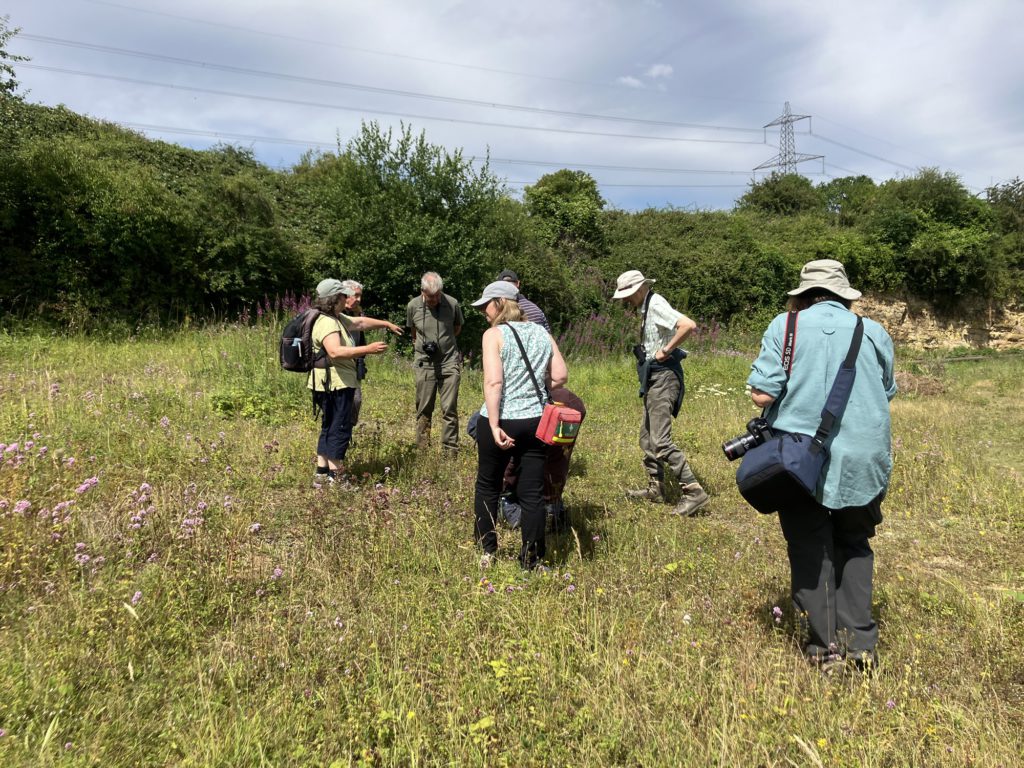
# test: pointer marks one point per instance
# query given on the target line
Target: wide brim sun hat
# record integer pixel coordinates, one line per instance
(828, 274)
(629, 283)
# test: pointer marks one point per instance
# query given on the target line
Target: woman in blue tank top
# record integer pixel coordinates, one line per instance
(509, 419)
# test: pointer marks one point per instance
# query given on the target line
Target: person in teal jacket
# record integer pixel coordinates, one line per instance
(830, 557)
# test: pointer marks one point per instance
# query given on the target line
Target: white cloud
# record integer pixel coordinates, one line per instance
(659, 70)
(923, 82)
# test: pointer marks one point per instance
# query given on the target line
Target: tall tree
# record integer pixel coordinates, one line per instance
(8, 81)
(567, 207)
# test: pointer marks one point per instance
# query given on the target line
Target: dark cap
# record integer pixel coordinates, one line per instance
(509, 276)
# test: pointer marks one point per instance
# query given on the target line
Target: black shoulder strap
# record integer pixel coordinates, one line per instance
(529, 368)
(643, 323)
(839, 395)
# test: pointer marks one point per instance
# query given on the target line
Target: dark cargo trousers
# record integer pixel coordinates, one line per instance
(656, 431)
(832, 570)
(430, 380)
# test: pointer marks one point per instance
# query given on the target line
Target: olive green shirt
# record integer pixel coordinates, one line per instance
(436, 324)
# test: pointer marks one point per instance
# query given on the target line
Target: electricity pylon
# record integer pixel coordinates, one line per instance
(788, 157)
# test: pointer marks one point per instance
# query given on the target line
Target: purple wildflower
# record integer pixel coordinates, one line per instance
(88, 484)
(255, 528)
(136, 598)
(277, 574)
(22, 506)
(777, 614)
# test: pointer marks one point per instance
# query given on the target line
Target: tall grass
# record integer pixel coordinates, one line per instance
(174, 590)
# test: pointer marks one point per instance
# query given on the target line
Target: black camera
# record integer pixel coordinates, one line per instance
(757, 432)
(430, 348)
(640, 353)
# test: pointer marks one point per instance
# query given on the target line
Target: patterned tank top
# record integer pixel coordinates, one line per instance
(518, 395)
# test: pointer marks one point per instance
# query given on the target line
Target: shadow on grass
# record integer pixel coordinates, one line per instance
(576, 535)
(391, 457)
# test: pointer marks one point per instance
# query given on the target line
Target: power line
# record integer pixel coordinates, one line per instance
(491, 160)
(322, 105)
(342, 46)
(862, 152)
(870, 136)
(601, 167)
(652, 186)
(373, 89)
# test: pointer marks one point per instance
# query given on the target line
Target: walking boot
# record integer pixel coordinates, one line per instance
(422, 433)
(655, 491)
(692, 498)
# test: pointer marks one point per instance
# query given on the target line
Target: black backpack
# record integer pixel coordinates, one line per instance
(297, 343)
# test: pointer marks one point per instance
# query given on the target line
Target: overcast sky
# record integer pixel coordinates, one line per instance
(662, 102)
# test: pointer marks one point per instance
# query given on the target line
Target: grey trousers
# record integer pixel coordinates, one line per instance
(656, 431)
(429, 381)
(832, 569)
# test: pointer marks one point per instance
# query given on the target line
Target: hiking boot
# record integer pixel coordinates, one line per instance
(655, 491)
(692, 498)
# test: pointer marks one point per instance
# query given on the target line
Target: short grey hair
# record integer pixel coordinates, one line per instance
(351, 286)
(431, 282)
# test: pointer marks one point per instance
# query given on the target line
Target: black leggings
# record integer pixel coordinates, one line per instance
(531, 454)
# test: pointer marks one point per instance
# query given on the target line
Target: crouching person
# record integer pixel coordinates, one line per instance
(333, 380)
(556, 473)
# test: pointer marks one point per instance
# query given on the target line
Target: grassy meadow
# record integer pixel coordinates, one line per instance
(174, 590)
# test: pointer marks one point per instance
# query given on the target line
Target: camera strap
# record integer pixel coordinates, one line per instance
(789, 343)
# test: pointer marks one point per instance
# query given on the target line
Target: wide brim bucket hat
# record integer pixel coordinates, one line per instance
(828, 274)
(629, 283)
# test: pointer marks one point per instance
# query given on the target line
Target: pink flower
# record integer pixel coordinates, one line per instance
(88, 485)
(22, 506)
(136, 598)
(255, 528)
(277, 574)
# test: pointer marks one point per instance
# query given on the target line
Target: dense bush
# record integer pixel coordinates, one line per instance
(98, 224)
